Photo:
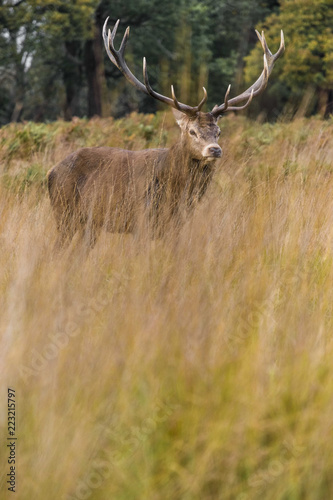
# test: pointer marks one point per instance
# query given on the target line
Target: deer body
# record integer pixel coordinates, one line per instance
(112, 188)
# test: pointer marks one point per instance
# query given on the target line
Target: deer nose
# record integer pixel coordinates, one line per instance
(215, 151)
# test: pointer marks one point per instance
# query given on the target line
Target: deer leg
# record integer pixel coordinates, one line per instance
(66, 226)
(89, 234)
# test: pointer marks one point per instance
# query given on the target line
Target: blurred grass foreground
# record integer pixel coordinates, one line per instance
(198, 366)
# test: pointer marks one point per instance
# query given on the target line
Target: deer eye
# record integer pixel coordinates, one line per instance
(218, 133)
(193, 132)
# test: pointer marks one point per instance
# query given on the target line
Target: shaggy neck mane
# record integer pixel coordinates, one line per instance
(179, 155)
(187, 177)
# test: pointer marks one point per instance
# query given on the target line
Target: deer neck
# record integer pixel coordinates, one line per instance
(186, 174)
(179, 156)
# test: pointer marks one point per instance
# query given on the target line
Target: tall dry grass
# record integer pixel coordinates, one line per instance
(198, 366)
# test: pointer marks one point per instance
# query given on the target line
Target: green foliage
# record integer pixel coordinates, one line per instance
(308, 60)
(25, 179)
(64, 20)
(25, 140)
(53, 63)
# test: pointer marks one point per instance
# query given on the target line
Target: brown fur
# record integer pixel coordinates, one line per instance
(109, 187)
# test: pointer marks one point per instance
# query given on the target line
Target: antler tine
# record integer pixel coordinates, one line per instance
(263, 42)
(282, 46)
(114, 31)
(226, 102)
(204, 99)
(259, 85)
(124, 41)
(175, 100)
(265, 75)
(108, 39)
(145, 75)
(239, 108)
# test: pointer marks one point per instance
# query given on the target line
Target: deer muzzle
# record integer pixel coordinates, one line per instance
(212, 151)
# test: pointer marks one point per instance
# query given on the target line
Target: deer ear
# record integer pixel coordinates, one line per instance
(179, 116)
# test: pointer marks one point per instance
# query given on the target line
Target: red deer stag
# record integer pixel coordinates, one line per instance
(109, 187)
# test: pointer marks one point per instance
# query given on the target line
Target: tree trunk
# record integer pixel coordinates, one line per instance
(18, 108)
(71, 76)
(94, 65)
(323, 101)
(19, 91)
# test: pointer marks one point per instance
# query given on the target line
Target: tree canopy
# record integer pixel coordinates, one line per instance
(306, 71)
(53, 63)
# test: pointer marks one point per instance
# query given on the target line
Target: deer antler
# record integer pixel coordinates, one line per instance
(258, 86)
(117, 58)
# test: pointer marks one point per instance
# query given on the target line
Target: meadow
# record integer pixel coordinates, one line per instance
(194, 367)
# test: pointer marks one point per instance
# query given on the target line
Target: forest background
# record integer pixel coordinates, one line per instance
(53, 63)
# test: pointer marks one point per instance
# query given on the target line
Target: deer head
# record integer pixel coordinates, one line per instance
(199, 135)
(199, 130)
